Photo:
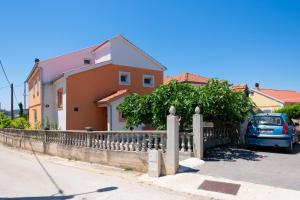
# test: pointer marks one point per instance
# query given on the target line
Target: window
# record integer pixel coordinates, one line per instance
(124, 78)
(60, 98)
(148, 80)
(87, 61)
(121, 117)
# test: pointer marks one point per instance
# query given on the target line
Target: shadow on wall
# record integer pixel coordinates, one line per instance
(231, 154)
(61, 197)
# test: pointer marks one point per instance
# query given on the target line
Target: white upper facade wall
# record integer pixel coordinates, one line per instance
(117, 50)
(125, 53)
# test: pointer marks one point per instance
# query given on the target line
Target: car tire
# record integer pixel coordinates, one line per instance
(290, 148)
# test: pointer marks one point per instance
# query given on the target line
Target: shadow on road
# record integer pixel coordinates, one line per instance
(231, 154)
(61, 197)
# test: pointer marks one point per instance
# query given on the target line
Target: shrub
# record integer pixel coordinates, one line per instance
(292, 110)
(19, 123)
(216, 99)
(4, 121)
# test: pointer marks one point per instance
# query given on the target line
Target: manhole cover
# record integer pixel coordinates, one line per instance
(223, 187)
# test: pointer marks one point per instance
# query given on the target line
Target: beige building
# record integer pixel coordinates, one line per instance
(269, 100)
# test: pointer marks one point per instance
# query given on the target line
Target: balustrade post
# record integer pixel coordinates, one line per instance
(172, 153)
(198, 148)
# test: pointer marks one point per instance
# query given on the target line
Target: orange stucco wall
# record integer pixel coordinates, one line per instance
(85, 88)
(34, 97)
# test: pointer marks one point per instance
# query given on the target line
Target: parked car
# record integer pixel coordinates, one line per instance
(272, 129)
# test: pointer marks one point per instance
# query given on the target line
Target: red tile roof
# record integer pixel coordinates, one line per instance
(284, 96)
(239, 87)
(112, 97)
(186, 78)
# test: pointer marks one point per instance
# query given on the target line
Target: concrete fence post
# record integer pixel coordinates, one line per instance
(172, 153)
(198, 147)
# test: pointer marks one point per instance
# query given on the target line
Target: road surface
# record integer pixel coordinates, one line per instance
(25, 175)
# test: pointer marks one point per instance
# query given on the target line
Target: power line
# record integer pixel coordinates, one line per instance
(15, 86)
(3, 70)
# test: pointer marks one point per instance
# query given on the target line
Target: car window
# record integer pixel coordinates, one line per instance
(268, 120)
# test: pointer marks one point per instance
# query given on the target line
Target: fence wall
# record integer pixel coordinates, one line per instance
(126, 149)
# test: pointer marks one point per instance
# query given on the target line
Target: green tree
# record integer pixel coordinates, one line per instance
(4, 121)
(217, 101)
(19, 123)
(292, 110)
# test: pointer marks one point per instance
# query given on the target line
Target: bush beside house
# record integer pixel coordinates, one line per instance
(292, 110)
(7, 122)
(217, 101)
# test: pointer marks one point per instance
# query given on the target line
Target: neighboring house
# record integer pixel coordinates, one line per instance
(268, 100)
(241, 88)
(84, 88)
(187, 78)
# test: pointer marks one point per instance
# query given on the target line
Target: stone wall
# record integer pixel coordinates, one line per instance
(126, 159)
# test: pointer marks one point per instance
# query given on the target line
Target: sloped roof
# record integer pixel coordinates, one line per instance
(116, 95)
(284, 96)
(187, 78)
(239, 87)
(54, 65)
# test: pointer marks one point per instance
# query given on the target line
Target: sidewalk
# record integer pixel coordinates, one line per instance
(189, 182)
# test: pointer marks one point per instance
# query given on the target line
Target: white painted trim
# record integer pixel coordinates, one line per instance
(128, 74)
(148, 76)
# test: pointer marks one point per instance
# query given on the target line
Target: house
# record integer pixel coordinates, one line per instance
(268, 100)
(83, 88)
(187, 78)
(241, 88)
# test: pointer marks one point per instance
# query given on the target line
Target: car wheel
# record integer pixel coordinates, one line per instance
(290, 148)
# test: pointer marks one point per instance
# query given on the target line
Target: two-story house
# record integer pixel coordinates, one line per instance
(84, 88)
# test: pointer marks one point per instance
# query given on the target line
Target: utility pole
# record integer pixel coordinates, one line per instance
(12, 100)
(24, 95)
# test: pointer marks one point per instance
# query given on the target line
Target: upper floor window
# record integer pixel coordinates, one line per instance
(148, 80)
(60, 98)
(87, 61)
(124, 78)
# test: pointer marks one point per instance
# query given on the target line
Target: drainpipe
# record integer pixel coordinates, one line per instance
(110, 117)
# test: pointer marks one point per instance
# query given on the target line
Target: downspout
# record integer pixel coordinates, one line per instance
(110, 117)
(42, 97)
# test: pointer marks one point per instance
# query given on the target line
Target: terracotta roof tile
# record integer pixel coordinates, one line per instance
(112, 97)
(239, 87)
(285, 96)
(186, 78)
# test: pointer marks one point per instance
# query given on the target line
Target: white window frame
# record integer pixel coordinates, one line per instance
(128, 82)
(145, 76)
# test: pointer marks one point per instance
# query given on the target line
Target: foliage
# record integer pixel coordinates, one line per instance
(7, 122)
(292, 110)
(184, 97)
(136, 110)
(4, 121)
(19, 123)
(216, 99)
(219, 102)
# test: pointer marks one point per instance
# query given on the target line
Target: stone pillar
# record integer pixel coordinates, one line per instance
(172, 153)
(198, 147)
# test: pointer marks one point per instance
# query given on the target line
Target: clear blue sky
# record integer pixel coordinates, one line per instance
(241, 41)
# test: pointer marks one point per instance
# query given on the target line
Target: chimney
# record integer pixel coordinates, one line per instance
(36, 60)
(257, 86)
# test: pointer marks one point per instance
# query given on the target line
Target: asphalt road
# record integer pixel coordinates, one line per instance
(24, 176)
(266, 166)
